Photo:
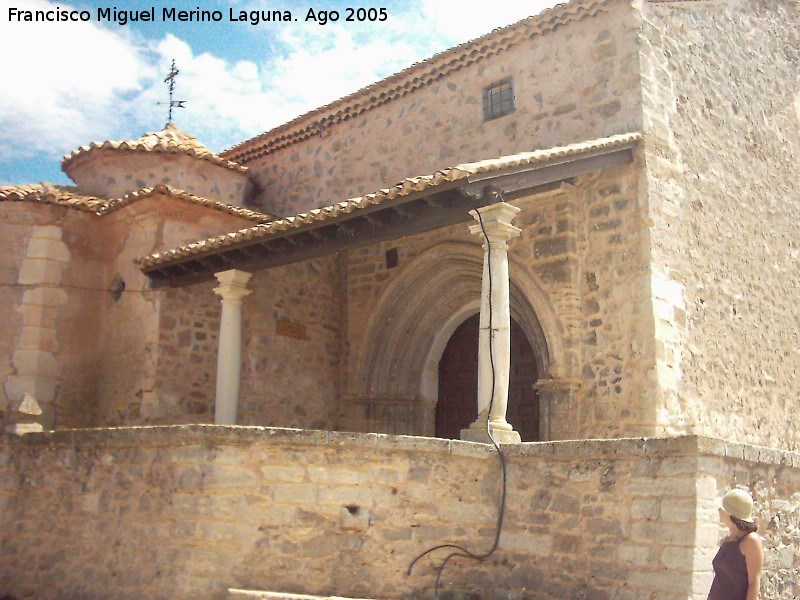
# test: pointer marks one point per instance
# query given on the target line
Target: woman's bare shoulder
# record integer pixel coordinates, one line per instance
(749, 542)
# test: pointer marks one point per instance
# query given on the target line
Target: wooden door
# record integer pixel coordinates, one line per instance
(523, 400)
(457, 406)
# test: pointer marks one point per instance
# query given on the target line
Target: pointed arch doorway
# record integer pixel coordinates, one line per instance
(457, 405)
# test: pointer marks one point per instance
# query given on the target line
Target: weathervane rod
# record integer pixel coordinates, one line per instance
(170, 79)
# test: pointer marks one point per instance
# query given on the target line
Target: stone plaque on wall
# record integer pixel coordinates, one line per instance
(292, 330)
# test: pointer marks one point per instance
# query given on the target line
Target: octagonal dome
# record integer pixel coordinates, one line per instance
(170, 156)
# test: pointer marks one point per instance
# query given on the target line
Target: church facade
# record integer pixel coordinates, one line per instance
(650, 151)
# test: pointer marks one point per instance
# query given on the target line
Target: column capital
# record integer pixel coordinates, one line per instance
(496, 221)
(232, 284)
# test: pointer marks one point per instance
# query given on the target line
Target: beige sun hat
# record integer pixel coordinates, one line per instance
(738, 503)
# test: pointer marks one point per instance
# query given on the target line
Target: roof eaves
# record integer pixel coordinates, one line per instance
(43, 193)
(169, 140)
(449, 177)
(163, 189)
(69, 197)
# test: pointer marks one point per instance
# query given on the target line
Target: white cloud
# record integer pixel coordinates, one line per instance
(70, 83)
(459, 21)
(62, 80)
(232, 101)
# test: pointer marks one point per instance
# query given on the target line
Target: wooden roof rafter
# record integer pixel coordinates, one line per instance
(435, 205)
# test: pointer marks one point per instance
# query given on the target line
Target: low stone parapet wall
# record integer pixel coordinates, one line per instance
(191, 511)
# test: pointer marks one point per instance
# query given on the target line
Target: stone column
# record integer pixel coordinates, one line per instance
(229, 360)
(497, 224)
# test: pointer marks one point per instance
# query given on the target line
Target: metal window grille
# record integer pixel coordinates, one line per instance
(498, 99)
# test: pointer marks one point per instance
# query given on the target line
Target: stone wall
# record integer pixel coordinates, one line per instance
(574, 83)
(579, 267)
(291, 354)
(129, 351)
(188, 511)
(774, 480)
(23, 326)
(81, 327)
(722, 140)
(49, 275)
(112, 174)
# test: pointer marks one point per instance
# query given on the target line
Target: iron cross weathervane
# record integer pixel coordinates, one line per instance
(170, 79)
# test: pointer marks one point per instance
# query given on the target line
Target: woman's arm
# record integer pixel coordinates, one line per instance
(753, 553)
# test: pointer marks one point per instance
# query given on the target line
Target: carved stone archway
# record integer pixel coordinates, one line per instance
(420, 310)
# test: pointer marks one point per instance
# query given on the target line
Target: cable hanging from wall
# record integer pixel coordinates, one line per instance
(457, 550)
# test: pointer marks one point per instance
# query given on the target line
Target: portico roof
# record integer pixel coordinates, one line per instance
(414, 205)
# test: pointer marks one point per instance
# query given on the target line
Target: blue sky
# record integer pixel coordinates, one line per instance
(66, 84)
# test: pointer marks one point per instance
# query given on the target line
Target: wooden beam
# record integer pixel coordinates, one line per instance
(514, 182)
(417, 213)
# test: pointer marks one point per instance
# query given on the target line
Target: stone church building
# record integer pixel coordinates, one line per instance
(266, 369)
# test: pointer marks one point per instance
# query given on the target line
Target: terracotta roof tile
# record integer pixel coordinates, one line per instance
(52, 194)
(68, 197)
(169, 140)
(412, 78)
(246, 213)
(403, 188)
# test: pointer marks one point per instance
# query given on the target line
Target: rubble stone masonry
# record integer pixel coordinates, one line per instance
(189, 511)
(580, 262)
(722, 152)
(572, 84)
(290, 349)
(81, 332)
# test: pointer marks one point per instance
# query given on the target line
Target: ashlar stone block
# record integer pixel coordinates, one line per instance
(38, 338)
(44, 296)
(354, 518)
(46, 232)
(295, 493)
(342, 494)
(23, 416)
(34, 315)
(42, 388)
(661, 533)
(634, 554)
(678, 510)
(645, 508)
(283, 474)
(538, 545)
(668, 290)
(36, 363)
(48, 249)
(25, 428)
(38, 271)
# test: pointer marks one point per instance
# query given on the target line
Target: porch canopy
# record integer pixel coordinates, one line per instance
(415, 205)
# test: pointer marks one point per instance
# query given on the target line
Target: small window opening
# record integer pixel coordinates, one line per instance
(498, 99)
(392, 258)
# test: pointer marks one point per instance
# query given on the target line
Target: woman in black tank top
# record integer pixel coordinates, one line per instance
(738, 563)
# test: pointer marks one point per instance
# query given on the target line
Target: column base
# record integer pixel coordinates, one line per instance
(477, 433)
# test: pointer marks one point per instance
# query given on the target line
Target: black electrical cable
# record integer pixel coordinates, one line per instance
(460, 551)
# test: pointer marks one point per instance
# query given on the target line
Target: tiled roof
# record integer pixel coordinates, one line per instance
(52, 194)
(70, 198)
(403, 188)
(413, 78)
(170, 140)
